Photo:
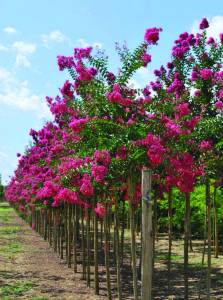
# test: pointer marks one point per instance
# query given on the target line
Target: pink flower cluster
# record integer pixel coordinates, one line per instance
(116, 97)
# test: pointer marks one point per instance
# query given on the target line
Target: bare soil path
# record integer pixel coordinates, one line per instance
(29, 269)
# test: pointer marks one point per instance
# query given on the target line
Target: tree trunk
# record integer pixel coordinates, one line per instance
(83, 245)
(117, 251)
(69, 235)
(122, 232)
(96, 280)
(131, 190)
(106, 249)
(75, 237)
(216, 247)
(170, 228)
(186, 243)
(208, 201)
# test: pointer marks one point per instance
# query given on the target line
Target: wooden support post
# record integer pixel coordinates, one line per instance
(147, 236)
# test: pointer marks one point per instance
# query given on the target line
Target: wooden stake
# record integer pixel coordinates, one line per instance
(147, 236)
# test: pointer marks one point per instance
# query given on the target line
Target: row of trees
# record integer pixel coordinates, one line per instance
(1, 189)
(84, 167)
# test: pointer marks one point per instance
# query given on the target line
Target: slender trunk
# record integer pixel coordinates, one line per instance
(155, 227)
(88, 249)
(208, 201)
(69, 235)
(75, 237)
(96, 280)
(106, 249)
(131, 189)
(122, 233)
(65, 230)
(83, 245)
(186, 242)
(170, 227)
(45, 225)
(216, 248)
(155, 238)
(205, 235)
(190, 233)
(62, 233)
(117, 251)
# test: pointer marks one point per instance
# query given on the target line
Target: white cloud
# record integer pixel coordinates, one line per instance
(23, 47)
(17, 94)
(22, 61)
(23, 50)
(10, 30)
(82, 43)
(55, 36)
(134, 84)
(3, 48)
(144, 76)
(215, 26)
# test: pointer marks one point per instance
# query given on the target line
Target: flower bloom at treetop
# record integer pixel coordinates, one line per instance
(152, 35)
(80, 53)
(204, 24)
(65, 62)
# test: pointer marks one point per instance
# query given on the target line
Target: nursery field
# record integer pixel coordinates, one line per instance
(120, 194)
(30, 269)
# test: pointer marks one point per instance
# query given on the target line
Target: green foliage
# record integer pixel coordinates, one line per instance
(198, 207)
(15, 289)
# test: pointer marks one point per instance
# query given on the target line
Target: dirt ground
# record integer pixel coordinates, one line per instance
(29, 269)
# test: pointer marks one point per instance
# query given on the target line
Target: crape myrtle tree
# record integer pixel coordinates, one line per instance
(1, 189)
(194, 79)
(85, 165)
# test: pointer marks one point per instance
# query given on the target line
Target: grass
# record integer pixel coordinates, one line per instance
(165, 257)
(9, 229)
(9, 233)
(11, 249)
(15, 289)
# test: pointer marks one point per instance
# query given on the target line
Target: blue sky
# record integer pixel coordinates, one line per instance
(33, 33)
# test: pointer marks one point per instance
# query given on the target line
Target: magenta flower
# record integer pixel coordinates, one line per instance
(183, 109)
(116, 97)
(66, 89)
(78, 124)
(219, 105)
(102, 157)
(206, 74)
(205, 145)
(204, 24)
(80, 53)
(146, 58)
(100, 210)
(86, 188)
(98, 172)
(152, 35)
(65, 62)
